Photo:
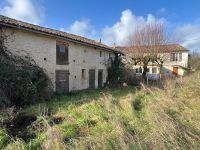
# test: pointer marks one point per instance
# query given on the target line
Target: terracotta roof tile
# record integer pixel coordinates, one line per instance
(167, 48)
(5, 21)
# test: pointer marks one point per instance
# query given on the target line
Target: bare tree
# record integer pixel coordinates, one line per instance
(146, 45)
(194, 60)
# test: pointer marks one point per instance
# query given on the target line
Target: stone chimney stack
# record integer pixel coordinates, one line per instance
(114, 45)
(98, 40)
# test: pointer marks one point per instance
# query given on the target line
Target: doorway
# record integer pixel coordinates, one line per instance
(100, 78)
(91, 79)
(175, 71)
(62, 81)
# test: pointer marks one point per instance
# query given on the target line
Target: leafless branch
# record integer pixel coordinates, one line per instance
(148, 44)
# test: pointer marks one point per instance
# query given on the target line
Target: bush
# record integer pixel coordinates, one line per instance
(21, 80)
(4, 139)
(137, 104)
(194, 60)
(119, 74)
(21, 83)
(115, 72)
(4, 101)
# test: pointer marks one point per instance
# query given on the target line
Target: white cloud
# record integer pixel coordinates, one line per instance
(189, 36)
(25, 10)
(121, 30)
(82, 28)
(161, 11)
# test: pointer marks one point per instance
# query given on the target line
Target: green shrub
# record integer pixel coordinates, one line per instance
(4, 101)
(36, 143)
(70, 130)
(119, 74)
(22, 85)
(137, 104)
(115, 72)
(4, 139)
(17, 145)
(21, 80)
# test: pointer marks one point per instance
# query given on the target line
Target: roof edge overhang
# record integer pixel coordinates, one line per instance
(59, 37)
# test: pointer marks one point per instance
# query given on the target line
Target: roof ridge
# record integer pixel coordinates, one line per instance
(172, 48)
(16, 23)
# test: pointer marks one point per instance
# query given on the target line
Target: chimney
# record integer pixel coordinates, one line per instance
(98, 40)
(114, 45)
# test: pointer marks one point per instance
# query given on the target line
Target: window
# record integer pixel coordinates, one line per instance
(136, 70)
(83, 73)
(180, 56)
(147, 69)
(100, 53)
(154, 70)
(61, 54)
(174, 57)
(109, 55)
(140, 70)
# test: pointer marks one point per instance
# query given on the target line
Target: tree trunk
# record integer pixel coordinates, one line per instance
(144, 74)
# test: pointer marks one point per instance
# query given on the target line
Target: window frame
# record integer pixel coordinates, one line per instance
(62, 59)
(174, 57)
(180, 56)
(136, 70)
(154, 70)
(83, 73)
(109, 55)
(140, 70)
(100, 53)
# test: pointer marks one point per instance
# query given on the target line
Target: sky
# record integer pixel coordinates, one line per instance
(112, 21)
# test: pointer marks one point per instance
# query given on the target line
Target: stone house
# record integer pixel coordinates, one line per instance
(176, 60)
(72, 62)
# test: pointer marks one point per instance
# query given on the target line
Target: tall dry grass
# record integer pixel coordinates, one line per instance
(139, 119)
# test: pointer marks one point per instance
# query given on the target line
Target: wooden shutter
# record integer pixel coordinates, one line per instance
(57, 54)
(66, 55)
(171, 56)
(62, 57)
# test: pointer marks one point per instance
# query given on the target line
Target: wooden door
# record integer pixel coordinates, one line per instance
(62, 81)
(175, 70)
(91, 79)
(100, 78)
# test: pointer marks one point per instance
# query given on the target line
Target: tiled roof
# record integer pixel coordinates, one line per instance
(163, 49)
(5, 21)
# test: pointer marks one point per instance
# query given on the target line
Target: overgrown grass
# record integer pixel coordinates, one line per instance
(121, 118)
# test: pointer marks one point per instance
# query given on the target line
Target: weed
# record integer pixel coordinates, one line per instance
(118, 118)
(4, 139)
(137, 104)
